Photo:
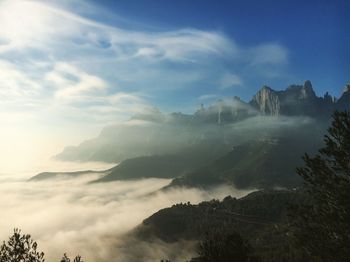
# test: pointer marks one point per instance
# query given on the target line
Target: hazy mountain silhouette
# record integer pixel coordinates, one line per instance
(155, 133)
(255, 144)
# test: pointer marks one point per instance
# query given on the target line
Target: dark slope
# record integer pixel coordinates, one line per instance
(266, 163)
(169, 166)
(55, 175)
(155, 166)
(164, 166)
(259, 217)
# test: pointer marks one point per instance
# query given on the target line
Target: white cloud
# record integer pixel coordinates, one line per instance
(16, 87)
(59, 60)
(230, 80)
(88, 56)
(70, 216)
(73, 84)
(207, 97)
(40, 25)
(269, 54)
(67, 44)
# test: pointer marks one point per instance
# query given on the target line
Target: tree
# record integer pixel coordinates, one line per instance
(224, 246)
(322, 226)
(67, 259)
(20, 248)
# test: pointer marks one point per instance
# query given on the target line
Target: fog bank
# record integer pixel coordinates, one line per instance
(71, 216)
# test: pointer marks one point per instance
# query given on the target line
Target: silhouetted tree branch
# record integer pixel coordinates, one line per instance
(21, 248)
(322, 227)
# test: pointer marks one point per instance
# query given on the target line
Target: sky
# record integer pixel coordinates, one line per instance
(70, 67)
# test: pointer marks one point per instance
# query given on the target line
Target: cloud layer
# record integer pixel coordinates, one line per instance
(70, 216)
(68, 68)
(50, 52)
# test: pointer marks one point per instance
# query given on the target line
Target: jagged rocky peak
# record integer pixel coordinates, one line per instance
(237, 98)
(327, 98)
(344, 100)
(226, 110)
(301, 91)
(267, 101)
(346, 89)
(307, 91)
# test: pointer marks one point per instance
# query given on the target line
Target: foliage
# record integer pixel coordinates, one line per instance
(67, 259)
(20, 248)
(322, 226)
(224, 246)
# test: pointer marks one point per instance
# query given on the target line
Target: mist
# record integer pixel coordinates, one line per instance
(158, 134)
(93, 219)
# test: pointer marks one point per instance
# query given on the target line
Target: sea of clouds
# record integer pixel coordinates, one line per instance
(72, 216)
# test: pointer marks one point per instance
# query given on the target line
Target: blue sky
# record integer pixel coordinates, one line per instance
(70, 67)
(316, 33)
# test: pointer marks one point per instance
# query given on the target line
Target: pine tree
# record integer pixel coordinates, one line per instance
(20, 248)
(224, 245)
(322, 226)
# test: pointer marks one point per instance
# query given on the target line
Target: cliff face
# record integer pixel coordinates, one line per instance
(227, 110)
(156, 133)
(295, 100)
(306, 91)
(344, 101)
(267, 101)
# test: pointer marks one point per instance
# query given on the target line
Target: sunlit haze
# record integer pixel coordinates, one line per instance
(68, 68)
(119, 118)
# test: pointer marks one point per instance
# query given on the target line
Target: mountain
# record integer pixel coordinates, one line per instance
(155, 166)
(154, 133)
(295, 100)
(259, 217)
(265, 163)
(168, 166)
(344, 100)
(224, 111)
(59, 175)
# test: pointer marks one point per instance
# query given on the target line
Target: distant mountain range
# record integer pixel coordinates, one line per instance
(295, 100)
(154, 133)
(256, 144)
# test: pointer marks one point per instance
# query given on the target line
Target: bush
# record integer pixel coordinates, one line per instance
(21, 248)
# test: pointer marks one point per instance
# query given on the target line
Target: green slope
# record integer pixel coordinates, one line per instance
(260, 217)
(260, 164)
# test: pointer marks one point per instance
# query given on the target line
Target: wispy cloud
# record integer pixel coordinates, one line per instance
(230, 80)
(74, 84)
(86, 58)
(61, 60)
(269, 54)
(207, 97)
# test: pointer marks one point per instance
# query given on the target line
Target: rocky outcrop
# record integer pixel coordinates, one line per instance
(159, 133)
(344, 100)
(267, 101)
(223, 111)
(306, 91)
(295, 100)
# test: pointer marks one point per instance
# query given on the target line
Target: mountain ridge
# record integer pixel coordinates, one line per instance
(155, 133)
